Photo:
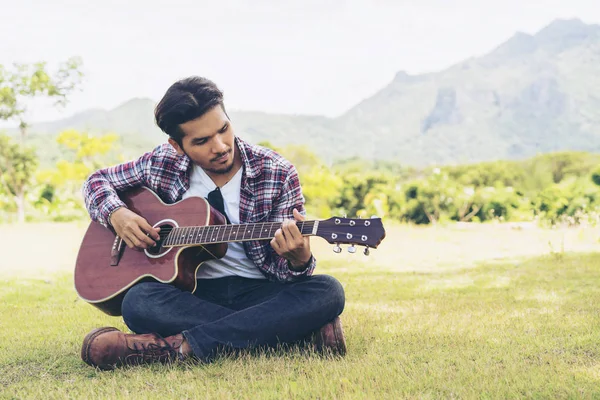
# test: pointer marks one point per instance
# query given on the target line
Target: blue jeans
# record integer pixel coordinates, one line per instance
(234, 312)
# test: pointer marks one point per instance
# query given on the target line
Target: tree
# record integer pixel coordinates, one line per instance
(302, 157)
(17, 165)
(596, 176)
(321, 188)
(58, 194)
(82, 154)
(24, 82)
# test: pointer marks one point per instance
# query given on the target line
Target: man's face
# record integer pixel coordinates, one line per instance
(209, 142)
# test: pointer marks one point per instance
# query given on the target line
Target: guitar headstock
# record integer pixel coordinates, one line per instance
(355, 231)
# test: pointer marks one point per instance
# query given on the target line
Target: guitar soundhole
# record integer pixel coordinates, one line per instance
(159, 250)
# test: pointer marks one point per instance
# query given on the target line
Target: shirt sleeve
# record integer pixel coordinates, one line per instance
(100, 190)
(283, 208)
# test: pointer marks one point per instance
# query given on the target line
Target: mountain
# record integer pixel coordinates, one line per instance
(134, 120)
(134, 117)
(531, 94)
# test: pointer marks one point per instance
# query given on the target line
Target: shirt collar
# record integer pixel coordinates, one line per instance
(249, 160)
(182, 163)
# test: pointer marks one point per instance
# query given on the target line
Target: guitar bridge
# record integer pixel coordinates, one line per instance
(116, 251)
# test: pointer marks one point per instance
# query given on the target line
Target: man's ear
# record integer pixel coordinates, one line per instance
(176, 146)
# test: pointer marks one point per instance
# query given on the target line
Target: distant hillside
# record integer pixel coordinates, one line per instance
(134, 121)
(532, 94)
(135, 118)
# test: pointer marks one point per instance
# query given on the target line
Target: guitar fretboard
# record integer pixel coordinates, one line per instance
(191, 235)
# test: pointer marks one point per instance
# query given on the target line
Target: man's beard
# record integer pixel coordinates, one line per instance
(221, 171)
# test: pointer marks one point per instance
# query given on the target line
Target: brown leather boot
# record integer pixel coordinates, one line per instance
(107, 348)
(330, 338)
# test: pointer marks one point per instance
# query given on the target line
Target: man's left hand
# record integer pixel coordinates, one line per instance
(290, 244)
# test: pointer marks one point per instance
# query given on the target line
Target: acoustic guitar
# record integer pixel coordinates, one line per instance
(191, 232)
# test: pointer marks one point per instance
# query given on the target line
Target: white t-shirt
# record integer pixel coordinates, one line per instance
(235, 261)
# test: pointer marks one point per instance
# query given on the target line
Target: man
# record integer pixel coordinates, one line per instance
(260, 293)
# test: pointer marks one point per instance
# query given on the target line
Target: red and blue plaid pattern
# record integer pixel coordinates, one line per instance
(269, 193)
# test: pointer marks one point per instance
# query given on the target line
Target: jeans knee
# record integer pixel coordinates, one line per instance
(135, 307)
(333, 291)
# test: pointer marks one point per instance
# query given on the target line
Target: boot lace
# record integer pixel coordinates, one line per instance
(162, 351)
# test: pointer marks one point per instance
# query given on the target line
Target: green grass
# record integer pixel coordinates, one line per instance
(528, 329)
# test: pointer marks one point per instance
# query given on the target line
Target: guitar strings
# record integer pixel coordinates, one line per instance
(323, 233)
(168, 229)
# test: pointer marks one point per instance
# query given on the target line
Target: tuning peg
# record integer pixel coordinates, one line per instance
(337, 248)
(352, 249)
(366, 252)
(374, 216)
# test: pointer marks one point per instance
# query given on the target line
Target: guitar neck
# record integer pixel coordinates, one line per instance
(199, 235)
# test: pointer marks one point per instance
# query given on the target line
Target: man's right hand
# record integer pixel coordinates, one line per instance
(134, 229)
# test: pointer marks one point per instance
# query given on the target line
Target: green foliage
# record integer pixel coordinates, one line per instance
(529, 176)
(19, 85)
(56, 203)
(572, 201)
(58, 194)
(320, 186)
(302, 157)
(427, 199)
(51, 194)
(489, 174)
(360, 187)
(321, 189)
(553, 188)
(17, 166)
(24, 82)
(596, 176)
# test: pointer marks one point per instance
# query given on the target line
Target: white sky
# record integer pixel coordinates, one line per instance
(305, 56)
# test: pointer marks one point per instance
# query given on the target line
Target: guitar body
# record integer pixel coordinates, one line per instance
(192, 232)
(105, 285)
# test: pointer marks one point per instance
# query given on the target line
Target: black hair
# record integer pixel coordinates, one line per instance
(184, 101)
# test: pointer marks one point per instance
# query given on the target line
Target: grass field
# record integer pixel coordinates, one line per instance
(455, 312)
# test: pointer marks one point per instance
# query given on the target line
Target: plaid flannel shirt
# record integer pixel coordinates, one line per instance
(270, 191)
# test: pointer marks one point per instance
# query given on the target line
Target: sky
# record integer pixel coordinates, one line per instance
(295, 57)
